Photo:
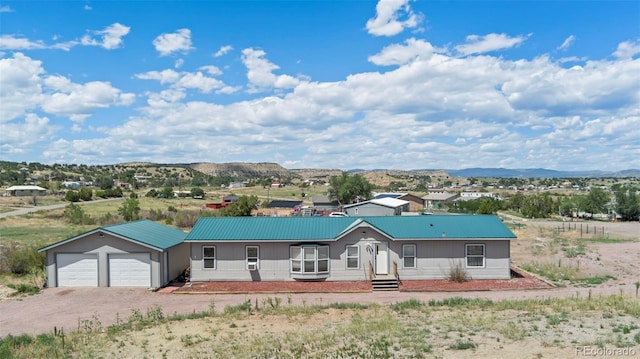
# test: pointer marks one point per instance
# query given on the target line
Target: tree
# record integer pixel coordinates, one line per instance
(197, 192)
(628, 204)
(489, 206)
(130, 209)
(595, 201)
(104, 182)
(166, 192)
(240, 208)
(349, 189)
(76, 215)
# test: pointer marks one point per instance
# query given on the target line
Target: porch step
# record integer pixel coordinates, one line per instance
(387, 283)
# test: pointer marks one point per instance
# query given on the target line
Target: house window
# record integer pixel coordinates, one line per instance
(309, 259)
(253, 255)
(209, 257)
(475, 255)
(408, 256)
(353, 257)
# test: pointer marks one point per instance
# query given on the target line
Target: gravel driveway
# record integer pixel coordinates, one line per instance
(65, 307)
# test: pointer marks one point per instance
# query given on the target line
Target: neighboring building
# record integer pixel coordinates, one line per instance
(25, 191)
(237, 185)
(71, 184)
(348, 249)
(416, 203)
(324, 203)
(133, 254)
(226, 200)
(377, 207)
(438, 199)
(466, 196)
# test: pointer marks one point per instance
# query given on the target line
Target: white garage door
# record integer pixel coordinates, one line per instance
(77, 270)
(130, 270)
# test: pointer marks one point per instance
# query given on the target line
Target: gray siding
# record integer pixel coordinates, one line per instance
(434, 259)
(103, 246)
(178, 261)
(372, 209)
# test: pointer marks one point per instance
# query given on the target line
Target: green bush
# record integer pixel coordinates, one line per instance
(21, 259)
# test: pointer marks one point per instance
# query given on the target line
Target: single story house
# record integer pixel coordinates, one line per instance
(377, 207)
(348, 248)
(438, 199)
(324, 203)
(133, 254)
(416, 203)
(25, 191)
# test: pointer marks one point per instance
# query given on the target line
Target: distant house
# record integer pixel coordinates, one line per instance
(280, 208)
(71, 184)
(377, 207)
(226, 200)
(416, 203)
(347, 248)
(438, 199)
(465, 196)
(324, 203)
(25, 191)
(236, 185)
(133, 254)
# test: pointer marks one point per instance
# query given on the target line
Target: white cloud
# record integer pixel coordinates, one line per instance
(111, 37)
(223, 51)
(25, 88)
(5, 8)
(19, 136)
(260, 72)
(87, 7)
(627, 49)
(392, 17)
(492, 42)
(179, 63)
(165, 76)
(79, 101)
(567, 43)
(20, 85)
(169, 43)
(211, 70)
(189, 80)
(397, 54)
(10, 42)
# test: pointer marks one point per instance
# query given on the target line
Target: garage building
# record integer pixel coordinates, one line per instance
(133, 254)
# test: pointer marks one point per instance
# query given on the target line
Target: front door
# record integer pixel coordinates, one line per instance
(382, 260)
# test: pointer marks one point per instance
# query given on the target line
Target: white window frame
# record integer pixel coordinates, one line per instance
(404, 256)
(206, 258)
(357, 256)
(252, 259)
(293, 260)
(469, 256)
(302, 260)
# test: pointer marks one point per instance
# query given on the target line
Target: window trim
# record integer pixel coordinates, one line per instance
(467, 255)
(246, 256)
(315, 260)
(204, 258)
(415, 261)
(347, 257)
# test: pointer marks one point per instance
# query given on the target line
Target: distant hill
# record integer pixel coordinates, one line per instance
(538, 173)
(243, 169)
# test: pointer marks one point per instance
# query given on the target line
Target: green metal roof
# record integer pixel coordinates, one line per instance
(145, 232)
(328, 229)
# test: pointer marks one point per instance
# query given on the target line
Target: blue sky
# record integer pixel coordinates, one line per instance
(323, 84)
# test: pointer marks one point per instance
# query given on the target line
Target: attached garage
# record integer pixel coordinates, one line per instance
(130, 270)
(77, 270)
(133, 254)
